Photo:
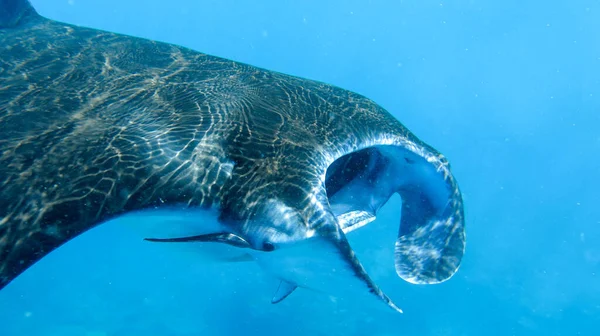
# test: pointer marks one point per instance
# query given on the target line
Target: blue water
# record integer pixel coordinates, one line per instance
(508, 90)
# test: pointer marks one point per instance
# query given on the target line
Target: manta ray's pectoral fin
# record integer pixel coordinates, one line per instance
(220, 237)
(284, 290)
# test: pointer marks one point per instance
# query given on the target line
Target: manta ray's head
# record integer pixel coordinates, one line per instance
(336, 187)
(316, 163)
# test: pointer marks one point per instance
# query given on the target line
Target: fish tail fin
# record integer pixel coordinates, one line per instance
(14, 13)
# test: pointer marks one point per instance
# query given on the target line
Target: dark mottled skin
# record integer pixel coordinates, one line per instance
(95, 124)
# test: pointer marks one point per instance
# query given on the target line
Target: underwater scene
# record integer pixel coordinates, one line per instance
(278, 167)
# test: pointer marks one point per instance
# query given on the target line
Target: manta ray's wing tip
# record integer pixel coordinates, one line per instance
(396, 308)
(392, 305)
(284, 290)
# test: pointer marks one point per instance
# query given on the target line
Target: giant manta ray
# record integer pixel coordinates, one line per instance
(95, 125)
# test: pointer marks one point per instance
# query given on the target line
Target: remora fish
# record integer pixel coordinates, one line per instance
(95, 125)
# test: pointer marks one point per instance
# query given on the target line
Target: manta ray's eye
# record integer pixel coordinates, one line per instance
(268, 247)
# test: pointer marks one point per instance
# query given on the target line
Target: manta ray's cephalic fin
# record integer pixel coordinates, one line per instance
(221, 237)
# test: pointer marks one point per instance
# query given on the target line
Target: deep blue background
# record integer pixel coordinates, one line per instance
(508, 90)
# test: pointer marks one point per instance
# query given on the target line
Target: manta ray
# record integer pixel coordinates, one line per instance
(96, 125)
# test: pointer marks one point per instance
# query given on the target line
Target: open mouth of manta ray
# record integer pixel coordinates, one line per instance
(431, 238)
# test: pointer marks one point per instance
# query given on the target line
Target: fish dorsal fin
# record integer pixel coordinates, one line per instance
(15, 12)
(284, 290)
(353, 220)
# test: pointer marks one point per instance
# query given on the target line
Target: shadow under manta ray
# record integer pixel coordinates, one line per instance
(95, 125)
